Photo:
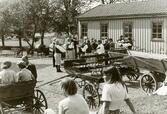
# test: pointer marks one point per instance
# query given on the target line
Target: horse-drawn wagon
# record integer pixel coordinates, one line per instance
(14, 97)
(89, 70)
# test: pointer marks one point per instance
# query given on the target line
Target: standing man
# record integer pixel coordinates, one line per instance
(51, 49)
(75, 40)
(53, 53)
(30, 66)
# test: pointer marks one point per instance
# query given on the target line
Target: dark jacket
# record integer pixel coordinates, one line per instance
(33, 70)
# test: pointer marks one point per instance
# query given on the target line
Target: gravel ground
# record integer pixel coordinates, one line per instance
(143, 103)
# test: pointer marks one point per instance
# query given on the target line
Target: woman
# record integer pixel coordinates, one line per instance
(70, 53)
(58, 51)
(114, 92)
(73, 103)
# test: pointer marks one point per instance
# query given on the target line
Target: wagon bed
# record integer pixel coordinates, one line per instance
(14, 96)
(9, 92)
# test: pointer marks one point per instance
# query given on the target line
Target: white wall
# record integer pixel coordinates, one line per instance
(142, 33)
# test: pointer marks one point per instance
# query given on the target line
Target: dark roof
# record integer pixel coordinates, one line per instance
(150, 7)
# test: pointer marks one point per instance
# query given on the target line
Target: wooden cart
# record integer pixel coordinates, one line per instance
(88, 71)
(13, 97)
(156, 71)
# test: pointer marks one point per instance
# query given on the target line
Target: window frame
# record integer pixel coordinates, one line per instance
(129, 32)
(84, 31)
(104, 34)
(157, 31)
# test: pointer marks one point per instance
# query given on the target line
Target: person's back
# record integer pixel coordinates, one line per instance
(25, 75)
(75, 104)
(116, 93)
(8, 76)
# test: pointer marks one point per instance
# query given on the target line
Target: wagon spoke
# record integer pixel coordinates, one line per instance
(91, 96)
(148, 83)
(41, 110)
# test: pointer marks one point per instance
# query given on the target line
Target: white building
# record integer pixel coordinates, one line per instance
(145, 22)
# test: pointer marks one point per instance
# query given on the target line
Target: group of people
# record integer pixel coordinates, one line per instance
(125, 42)
(94, 46)
(113, 94)
(27, 72)
(72, 49)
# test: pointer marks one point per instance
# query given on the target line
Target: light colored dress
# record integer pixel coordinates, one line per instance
(115, 94)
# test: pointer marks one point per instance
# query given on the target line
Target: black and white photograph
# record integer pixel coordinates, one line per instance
(83, 56)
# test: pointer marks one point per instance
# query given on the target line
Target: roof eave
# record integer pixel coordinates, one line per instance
(124, 16)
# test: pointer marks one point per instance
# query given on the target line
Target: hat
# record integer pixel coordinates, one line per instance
(6, 65)
(21, 64)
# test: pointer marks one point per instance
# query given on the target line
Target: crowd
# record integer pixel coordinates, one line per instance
(113, 94)
(72, 49)
(114, 91)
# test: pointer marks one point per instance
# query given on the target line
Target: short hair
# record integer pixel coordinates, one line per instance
(25, 57)
(114, 74)
(69, 86)
(21, 65)
(6, 64)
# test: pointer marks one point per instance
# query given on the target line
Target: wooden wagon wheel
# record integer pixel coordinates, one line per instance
(148, 83)
(39, 102)
(91, 95)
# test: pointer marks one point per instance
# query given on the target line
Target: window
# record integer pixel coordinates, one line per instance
(127, 30)
(84, 30)
(157, 30)
(104, 30)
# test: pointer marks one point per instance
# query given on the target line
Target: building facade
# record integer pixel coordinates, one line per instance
(144, 22)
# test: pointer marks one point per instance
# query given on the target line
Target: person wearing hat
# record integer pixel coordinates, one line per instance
(24, 74)
(114, 92)
(7, 75)
(30, 66)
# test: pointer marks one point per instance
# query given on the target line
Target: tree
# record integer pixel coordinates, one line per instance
(118, 1)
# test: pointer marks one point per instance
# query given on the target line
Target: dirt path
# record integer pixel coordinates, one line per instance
(143, 104)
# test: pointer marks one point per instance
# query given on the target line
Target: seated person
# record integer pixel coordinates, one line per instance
(7, 75)
(24, 74)
(73, 103)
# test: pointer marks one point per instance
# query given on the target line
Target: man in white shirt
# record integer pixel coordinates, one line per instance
(100, 48)
(7, 76)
